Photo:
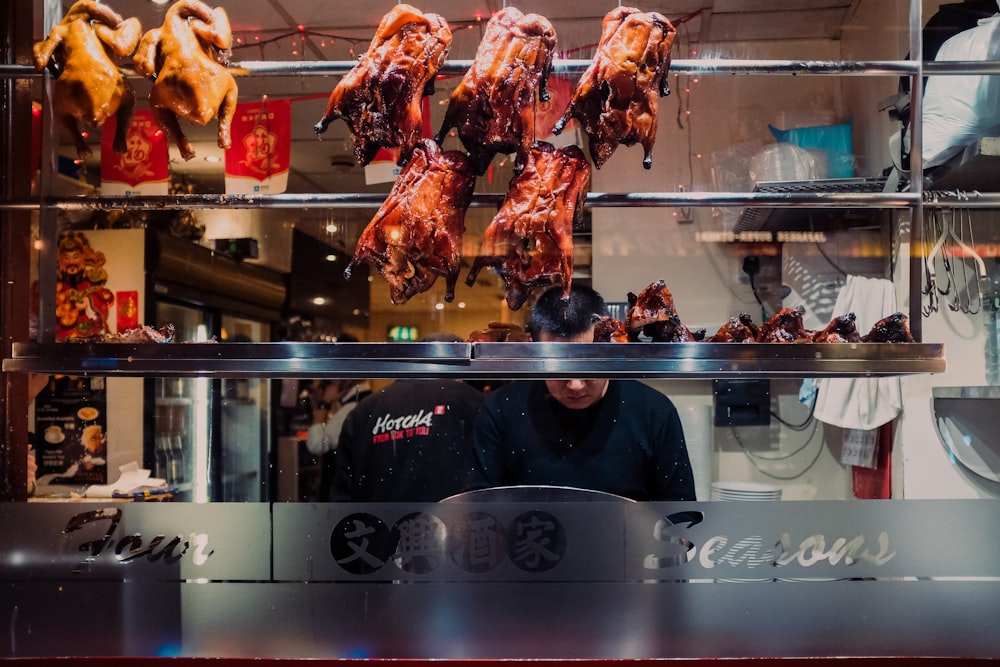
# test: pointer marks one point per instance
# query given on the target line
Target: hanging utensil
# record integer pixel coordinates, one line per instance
(973, 294)
(954, 253)
(931, 229)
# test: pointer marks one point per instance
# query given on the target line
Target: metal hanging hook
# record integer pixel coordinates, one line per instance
(930, 289)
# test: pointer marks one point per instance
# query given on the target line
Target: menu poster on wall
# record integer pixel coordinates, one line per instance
(70, 430)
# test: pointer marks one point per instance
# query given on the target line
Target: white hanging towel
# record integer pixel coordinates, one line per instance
(861, 403)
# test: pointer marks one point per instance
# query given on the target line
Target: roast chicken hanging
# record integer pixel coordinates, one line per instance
(89, 87)
(529, 242)
(416, 235)
(188, 81)
(617, 98)
(493, 106)
(380, 97)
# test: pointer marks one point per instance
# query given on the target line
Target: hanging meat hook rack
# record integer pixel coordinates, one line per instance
(955, 254)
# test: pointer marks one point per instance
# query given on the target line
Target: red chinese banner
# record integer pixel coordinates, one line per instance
(128, 310)
(258, 161)
(143, 168)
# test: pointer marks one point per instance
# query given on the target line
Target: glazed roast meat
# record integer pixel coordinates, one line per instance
(380, 96)
(786, 326)
(890, 329)
(493, 107)
(140, 334)
(609, 330)
(499, 332)
(89, 87)
(529, 242)
(617, 98)
(682, 334)
(188, 80)
(652, 313)
(416, 235)
(841, 329)
(739, 329)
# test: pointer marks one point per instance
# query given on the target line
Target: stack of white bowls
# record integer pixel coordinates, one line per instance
(744, 491)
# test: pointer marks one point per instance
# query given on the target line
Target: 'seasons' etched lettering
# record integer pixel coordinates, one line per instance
(756, 551)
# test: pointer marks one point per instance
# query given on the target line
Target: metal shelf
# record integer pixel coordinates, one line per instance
(703, 66)
(798, 199)
(479, 360)
(753, 219)
(700, 66)
(593, 200)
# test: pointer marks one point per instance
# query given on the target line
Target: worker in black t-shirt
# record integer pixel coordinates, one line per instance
(616, 436)
(409, 442)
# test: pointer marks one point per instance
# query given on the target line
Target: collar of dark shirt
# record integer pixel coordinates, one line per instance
(564, 429)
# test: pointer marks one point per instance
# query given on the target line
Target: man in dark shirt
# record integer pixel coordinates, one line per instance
(616, 436)
(409, 442)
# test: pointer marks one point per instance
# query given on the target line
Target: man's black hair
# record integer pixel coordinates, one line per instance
(555, 317)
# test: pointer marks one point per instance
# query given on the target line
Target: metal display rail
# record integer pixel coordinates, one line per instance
(480, 360)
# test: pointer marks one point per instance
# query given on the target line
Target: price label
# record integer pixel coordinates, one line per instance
(859, 447)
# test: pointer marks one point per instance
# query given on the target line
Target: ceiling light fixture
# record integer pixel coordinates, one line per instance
(319, 301)
(211, 158)
(331, 258)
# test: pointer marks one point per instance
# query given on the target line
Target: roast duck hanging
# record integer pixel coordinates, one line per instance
(189, 82)
(493, 107)
(380, 96)
(89, 87)
(416, 235)
(617, 98)
(529, 243)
